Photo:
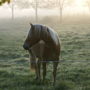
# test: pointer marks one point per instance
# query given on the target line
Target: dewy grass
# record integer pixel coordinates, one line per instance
(73, 73)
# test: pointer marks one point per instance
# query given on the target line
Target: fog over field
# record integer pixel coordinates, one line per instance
(74, 33)
(5, 11)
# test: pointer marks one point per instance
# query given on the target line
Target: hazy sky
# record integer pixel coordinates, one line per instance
(77, 7)
(80, 2)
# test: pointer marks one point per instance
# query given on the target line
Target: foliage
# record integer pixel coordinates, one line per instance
(4, 1)
(24, 3)
(32, 3)
(41, 3)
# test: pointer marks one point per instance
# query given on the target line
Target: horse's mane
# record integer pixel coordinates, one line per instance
(45, 31)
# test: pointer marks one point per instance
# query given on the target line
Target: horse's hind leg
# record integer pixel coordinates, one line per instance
(55, 64)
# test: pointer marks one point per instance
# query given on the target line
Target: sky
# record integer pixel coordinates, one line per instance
(80, 3)
(77, 7)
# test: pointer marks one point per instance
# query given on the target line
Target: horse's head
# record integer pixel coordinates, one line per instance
(32, 38)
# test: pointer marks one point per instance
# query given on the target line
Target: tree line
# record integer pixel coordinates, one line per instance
(36, 4)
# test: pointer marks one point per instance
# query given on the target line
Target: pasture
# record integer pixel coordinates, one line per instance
(73, 71)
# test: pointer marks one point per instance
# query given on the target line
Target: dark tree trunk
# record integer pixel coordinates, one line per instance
(61, 15)
(36, 11)
(12, 10)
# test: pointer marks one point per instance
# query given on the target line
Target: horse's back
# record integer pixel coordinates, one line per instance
(56, 41)
(54, 36)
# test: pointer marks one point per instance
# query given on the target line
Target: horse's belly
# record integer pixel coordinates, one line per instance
(50, 55)
(41, 50)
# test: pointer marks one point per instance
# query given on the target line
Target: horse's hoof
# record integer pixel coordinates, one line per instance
(38, 79)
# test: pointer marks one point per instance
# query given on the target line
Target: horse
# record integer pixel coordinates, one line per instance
(43, 45)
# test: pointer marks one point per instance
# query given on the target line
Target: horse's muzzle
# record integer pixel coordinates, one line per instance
(26, 47)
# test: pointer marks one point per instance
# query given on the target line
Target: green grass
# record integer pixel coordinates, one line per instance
(73, 73)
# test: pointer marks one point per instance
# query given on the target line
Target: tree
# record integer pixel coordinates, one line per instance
(36, 10)
(12, 6)
(47, 3)
(62, 4)
(55, 3)
(4, 1)
(28, 4)
(23, 3)
(42, 4)
(88, 4)
(35, 4)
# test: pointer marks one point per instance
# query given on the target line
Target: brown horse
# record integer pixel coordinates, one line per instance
(43, 46)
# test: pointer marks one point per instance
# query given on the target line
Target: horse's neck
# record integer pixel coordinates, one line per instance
(47, 38)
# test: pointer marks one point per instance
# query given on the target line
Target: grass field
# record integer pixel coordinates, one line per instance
(73, 72)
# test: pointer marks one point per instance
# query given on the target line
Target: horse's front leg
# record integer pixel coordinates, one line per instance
(38, 70)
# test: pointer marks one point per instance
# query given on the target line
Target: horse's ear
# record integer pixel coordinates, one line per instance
(47, 30)
(32, 26)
